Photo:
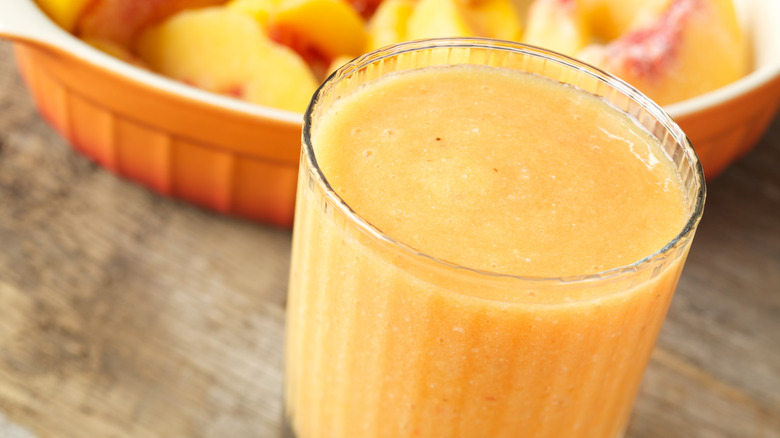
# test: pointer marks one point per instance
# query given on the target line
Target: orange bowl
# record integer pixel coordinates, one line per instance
(242, 159)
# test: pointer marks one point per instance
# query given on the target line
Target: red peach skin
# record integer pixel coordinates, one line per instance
(694, 47)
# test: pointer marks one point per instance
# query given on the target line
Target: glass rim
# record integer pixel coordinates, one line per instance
(618, 84)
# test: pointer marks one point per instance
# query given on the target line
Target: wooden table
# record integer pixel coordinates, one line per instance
(125, 314)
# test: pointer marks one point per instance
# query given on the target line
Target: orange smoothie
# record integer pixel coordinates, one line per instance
(484, 299)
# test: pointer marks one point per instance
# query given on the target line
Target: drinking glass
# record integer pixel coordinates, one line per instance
(385, 341)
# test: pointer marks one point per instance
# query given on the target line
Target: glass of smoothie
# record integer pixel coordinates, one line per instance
(487, 238)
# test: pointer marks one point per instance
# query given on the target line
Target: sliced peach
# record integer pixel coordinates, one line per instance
(694, 47)
(260, 10)
(557, 25)
(494, 19)
(388, 25)
(438, 18)
(611, 18)
(121, 21)
(224, 51)
(283, 82)
(366, 8)
(64, 12)
(331, 27)
(464, 18)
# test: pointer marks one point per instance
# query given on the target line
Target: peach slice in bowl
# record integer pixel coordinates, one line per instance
(726, 123)
(241, 159)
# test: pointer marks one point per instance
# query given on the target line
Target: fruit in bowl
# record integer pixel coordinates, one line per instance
(273, 52)
(224, 51)
(686, 49)
(197, 137)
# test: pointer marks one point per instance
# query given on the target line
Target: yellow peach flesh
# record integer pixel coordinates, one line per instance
(224, 51)
(331, 26)
(668, 53)
(260, 10)
(437, 18)
(557, 25)
(694, 47)
(609, 19)
(64, 12)
(121, 21)
(388, 24)
(495, 19)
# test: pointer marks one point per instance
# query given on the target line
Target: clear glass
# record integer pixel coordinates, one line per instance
(384, 341)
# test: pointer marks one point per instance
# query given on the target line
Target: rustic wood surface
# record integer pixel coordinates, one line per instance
(125, 314)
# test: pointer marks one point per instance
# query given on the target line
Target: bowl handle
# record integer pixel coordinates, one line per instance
(23, 21)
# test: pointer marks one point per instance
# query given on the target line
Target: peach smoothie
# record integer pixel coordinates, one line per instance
(459, 261)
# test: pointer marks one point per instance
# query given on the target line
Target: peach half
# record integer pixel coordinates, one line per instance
(332, 28)
(694, 47)
(260, 10)
(224, 51)
(121, 21)
(459, 18)
(609, 19)
(558, 25)
(497, 19)
(388, 24)
(437, 18)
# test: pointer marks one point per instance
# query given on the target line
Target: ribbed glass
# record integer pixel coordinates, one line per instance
(383, 341)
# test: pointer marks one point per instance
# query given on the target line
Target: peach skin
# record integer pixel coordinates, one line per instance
(121, 21)
(694, 47)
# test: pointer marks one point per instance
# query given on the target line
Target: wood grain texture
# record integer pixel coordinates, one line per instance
(126, 314)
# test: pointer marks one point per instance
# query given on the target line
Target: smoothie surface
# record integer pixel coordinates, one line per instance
(501, 171)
